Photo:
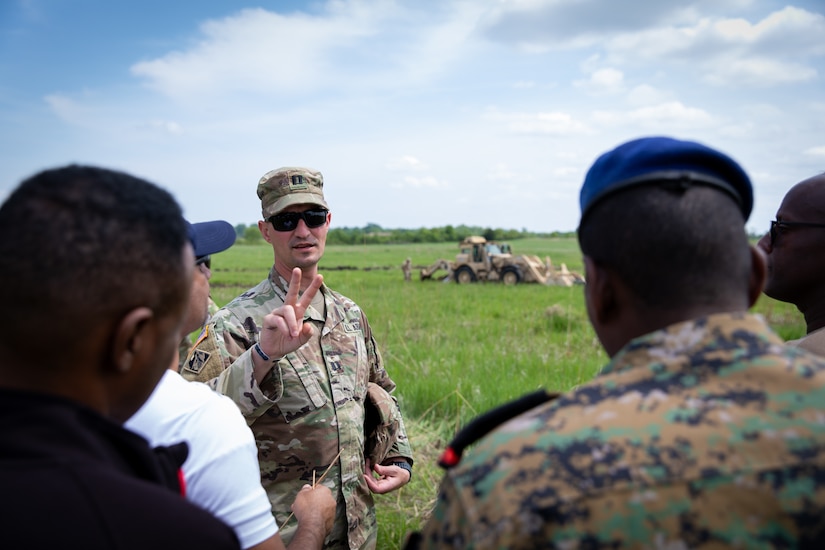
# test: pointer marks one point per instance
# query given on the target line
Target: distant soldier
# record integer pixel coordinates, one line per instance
(406, 267)
(703, 431)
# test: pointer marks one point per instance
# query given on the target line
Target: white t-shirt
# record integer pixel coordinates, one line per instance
(221, 472)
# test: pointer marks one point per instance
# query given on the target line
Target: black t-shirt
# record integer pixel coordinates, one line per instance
(72, 479)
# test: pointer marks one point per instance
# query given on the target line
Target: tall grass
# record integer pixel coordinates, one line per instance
(456, 350)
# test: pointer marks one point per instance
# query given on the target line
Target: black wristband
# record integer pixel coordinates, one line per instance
(260, 351)
(406, 465)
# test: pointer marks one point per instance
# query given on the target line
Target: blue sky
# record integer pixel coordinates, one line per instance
(419, 113)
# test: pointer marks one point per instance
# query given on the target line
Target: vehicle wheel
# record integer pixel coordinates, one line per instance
(510, 276)
(464, 275)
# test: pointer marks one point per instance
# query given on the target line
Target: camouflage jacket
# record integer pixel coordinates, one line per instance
(186, 344)
(310, 406)
(707, 434)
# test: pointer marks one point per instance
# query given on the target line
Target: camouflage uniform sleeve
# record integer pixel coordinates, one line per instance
(238, 383)
(379, 375)
(221, 358)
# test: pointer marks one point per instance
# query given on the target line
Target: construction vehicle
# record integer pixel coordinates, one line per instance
(482, 260)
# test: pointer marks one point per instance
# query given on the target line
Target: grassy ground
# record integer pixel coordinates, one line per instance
(456, 350)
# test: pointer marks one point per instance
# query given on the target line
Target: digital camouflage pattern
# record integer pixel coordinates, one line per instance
(706, 434)
(309, 407)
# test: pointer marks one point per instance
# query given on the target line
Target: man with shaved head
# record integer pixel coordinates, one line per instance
(795, 250)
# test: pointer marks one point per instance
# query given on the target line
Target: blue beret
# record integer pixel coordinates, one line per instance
(656, 160)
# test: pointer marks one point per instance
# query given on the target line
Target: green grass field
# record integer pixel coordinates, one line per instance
(456, 350)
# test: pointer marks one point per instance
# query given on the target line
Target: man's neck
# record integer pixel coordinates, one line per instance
(307, 274)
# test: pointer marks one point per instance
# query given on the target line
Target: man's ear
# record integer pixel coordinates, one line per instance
(130, 338)
(264, 227)
(601, 295)
(759, 274)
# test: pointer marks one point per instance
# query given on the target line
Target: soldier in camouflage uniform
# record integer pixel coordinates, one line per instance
(298, 359)
(703, 431)
(406, 267)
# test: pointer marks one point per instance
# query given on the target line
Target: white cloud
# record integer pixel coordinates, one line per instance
(388, 98)
(732, 52)
(406, 162)
(555, 123)
(779, 49)
(165, 126)
(254, 50)
(815, 151)
(665, 116)
(428, 182)
(644, 94)
(347, 46)
(758, 72)
(539, 25)
(603, 81)
(67, 109)
(500, 172)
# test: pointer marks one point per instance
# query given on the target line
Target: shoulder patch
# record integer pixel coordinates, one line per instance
(204, 362)
(196, 361)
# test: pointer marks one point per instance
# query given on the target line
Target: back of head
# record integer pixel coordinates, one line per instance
(667, 217)
(81, 245)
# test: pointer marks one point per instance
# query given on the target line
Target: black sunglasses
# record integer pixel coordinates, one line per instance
(778, 226)
(288, 221)
(204, 261)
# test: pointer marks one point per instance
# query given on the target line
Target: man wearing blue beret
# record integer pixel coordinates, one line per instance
(703, 430)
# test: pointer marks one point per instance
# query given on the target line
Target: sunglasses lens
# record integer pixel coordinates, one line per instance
(315, 218)
(205, 261)
(288, 221)
(285, 222)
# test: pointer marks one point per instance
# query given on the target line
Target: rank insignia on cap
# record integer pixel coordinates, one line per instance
(297, 182)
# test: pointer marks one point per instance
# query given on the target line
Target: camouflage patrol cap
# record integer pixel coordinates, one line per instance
(286, 186)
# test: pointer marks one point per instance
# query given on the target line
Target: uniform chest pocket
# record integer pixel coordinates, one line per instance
(348, 361)
(302, 392)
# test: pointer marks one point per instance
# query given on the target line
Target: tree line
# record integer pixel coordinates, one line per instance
(375, 234)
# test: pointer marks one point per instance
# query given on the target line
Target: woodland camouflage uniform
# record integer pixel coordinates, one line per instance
(308, 408)
(706, 434)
